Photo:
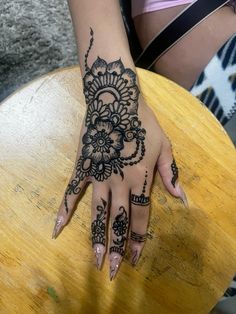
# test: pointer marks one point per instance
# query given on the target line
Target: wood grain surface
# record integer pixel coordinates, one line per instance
(190, 255)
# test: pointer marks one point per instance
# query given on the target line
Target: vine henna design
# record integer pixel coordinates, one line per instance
(98, 226)
(141, 200)
(87, 53)
(119, 227)
(175, 172)
(138, 237)
(72, 188)
(111, 94)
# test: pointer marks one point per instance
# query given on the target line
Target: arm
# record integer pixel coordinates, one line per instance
(118, 150)
(104, 17)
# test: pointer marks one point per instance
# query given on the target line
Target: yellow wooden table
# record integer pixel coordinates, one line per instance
(190, 255)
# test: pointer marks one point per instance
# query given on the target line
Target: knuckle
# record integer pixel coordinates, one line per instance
(117, 206)
(134, 245)
(140, 170)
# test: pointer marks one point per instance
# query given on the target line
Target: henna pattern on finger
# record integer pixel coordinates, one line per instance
(98, 226)
(87, 53)
(72, 188)
(120, 227)
(111, 94)
(141, 200)
(138, 237)
(175, 172)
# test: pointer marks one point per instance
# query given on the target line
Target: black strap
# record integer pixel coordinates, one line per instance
(174, 31)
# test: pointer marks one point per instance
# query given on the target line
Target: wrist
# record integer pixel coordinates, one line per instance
(111, 82)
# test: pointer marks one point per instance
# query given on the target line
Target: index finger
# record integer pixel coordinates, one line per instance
(72, 192)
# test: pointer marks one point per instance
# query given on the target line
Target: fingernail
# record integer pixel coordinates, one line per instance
(135, 257)
(182, 195)
(99, 251)
(114, 265)
(58, 227)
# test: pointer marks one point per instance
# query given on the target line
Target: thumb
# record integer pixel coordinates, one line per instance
(169, 173)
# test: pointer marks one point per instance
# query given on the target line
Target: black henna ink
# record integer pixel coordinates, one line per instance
(120, 227)
(89, 48)
(111, 94)
(175, 172)
(141, 200)
(72, 188)
(138, 237)
(98, 226)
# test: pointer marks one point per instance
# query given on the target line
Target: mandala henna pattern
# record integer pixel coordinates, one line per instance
(111, 94)
(120, 227)
(98, 226)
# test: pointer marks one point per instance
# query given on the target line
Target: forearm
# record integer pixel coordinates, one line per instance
(110, 40)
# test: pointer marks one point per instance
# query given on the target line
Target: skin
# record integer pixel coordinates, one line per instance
(113, 194)
(184, 62)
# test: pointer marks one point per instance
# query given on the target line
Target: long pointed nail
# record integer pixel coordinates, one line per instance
(99, 251)
(58, 227)
(135, 257)
(182, 195)
(115, 261)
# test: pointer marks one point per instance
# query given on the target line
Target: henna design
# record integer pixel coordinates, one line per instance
(89, 48)
(138, 237)
(111, 93)
(72, 188)
(98, 226)
(120, 226)
(141, 200)
(175, 172)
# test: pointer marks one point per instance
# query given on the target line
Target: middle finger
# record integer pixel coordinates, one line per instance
(119, 228)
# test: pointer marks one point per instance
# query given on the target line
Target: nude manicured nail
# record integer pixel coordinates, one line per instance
(99, 251)
(182, 195)
(135, 254)
(58, 227)
(115, 261)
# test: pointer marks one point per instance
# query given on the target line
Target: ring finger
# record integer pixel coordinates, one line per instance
(140, 205)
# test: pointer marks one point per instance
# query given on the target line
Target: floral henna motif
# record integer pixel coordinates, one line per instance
(102, 142)
(111, 93)
(120, 226)
(98, 226)
(175, 172)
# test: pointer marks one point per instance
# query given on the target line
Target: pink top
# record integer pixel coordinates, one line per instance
(144, 6)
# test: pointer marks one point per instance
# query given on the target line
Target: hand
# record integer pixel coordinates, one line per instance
(121, 142)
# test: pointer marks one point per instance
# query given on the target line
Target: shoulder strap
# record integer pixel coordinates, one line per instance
(176, 29)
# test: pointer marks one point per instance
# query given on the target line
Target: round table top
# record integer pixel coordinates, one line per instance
(190, 255)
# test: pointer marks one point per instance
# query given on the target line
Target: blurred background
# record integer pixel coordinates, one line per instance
(36, 37)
